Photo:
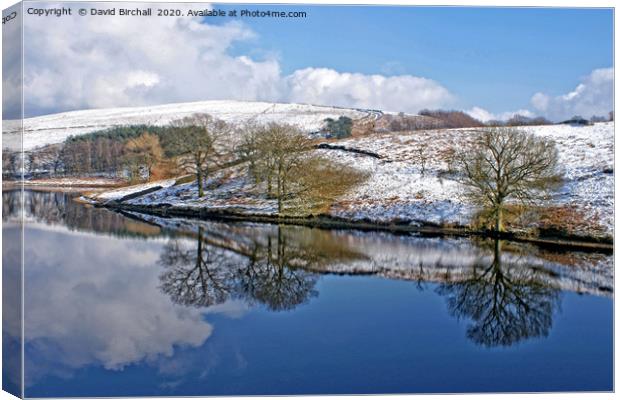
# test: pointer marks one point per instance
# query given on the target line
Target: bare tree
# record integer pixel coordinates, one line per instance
(317, 182)
(280, 156)
(280, 151)
(143, 151)
(247, 150)
(194, 142)
(10, 162)
(504, 164)
(46, 159)
(422, 156)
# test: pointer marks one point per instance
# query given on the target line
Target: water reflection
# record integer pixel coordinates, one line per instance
(94, 300)
(12, 306)
(60, 208)
(123, 298)
(282, 264)
(11, 204)
(509, 296)
(507, 301)
(274, 269)
(275, 274)
(202, 276)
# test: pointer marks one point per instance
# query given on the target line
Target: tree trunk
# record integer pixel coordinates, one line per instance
(199, 179)
(499, 223)
(280, 194)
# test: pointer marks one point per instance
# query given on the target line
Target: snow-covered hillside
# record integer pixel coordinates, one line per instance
(55, 128)
(398, 189)
(408, 181)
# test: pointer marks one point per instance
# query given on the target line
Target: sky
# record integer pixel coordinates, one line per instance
(489, 62)
(496, 58)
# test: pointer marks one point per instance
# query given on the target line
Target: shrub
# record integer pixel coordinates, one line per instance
(340, 128)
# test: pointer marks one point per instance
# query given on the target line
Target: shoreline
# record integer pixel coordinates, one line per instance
(68, 183)
(330, 222)
(324, 221)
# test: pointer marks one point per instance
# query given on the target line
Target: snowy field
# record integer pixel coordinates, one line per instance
(55, 128)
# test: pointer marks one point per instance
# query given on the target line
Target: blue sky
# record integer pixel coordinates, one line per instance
(489, 62)
(495, 58)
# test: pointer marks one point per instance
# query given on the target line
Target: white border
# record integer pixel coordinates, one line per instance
(484, 3)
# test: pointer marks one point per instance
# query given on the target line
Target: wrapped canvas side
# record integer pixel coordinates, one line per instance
(12, 201)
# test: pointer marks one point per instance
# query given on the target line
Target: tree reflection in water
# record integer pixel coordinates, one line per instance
(276, 274)
(201, 276)
(508, 302)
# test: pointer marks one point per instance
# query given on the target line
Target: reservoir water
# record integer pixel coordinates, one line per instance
(130, 305)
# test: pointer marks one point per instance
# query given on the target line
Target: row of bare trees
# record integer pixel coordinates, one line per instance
(280, 159)
(96, 156)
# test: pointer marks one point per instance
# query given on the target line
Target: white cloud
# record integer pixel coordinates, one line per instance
(397, 93)
(483, 115)
(593, 96)
(131, 61)
(127, 61)
(142, 78)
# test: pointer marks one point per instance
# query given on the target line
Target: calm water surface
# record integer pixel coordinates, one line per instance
(135, 305)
